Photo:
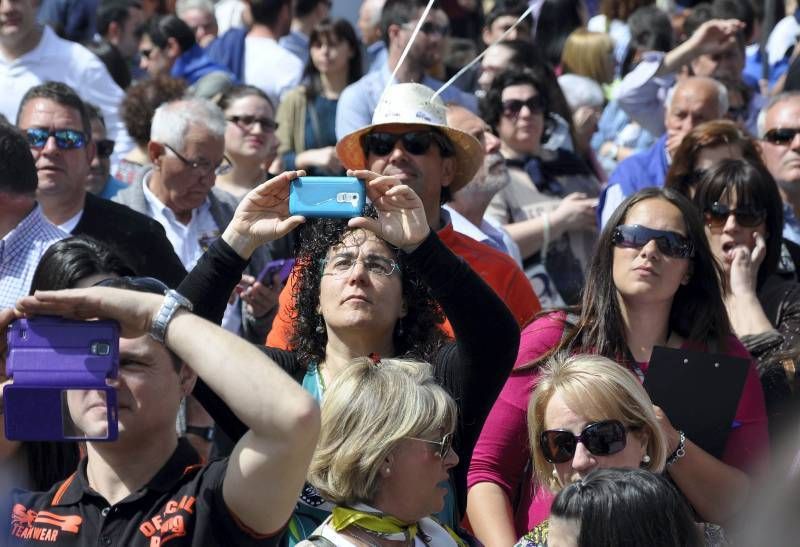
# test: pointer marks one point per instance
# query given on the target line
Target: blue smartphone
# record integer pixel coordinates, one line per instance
(327, 197)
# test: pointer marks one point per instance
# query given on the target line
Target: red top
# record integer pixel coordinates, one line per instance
(498, 269)
(502, 454)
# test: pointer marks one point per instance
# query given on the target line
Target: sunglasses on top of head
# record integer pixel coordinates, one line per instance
(66, 139)
(600, 438)
(634, 236)
(717, 215)
(416, 143)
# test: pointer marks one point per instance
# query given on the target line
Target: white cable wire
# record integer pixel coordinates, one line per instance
(479, 57)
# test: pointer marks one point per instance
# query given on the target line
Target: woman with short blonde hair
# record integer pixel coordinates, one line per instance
(597, 389)
(589, 54)
(384, 454)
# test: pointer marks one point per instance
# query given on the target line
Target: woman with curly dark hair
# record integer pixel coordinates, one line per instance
(371, 286)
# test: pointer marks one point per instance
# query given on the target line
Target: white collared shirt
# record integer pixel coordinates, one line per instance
(489, 232)
(71, 223)
(189, 240)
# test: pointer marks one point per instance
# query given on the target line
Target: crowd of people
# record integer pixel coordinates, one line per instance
(568, 314)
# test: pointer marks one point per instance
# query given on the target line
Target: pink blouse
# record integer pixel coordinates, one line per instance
(502, 455)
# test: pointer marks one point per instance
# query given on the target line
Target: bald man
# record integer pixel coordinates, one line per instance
(468, 206)
(691, 102)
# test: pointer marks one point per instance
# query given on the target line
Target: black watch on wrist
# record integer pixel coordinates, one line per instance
(206, 433)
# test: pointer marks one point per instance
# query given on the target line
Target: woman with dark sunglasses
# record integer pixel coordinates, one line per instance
(250, 140)
(587, 413)
(384, 454)
(653, 281)
(743, 215)
(549, 207)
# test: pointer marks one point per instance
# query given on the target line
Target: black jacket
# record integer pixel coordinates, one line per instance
(138, 239)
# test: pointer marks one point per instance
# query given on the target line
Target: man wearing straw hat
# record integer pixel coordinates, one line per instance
(409, 139)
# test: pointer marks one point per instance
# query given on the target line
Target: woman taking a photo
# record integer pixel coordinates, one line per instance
(360, 294)
(653, 281)
(384, 454)
(307, 114)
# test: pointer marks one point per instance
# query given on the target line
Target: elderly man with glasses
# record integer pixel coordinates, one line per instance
(187, 151)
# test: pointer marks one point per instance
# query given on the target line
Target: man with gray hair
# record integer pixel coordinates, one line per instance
(692, 101)
(467, 206)
(186, 149)
(778, 128)
(199, 15)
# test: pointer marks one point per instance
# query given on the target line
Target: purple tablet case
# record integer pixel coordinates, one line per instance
(48, 355)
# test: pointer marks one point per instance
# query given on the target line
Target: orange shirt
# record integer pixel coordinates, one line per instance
(498, 269)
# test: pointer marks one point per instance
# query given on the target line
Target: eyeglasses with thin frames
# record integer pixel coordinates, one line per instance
(444, 445)
(340, 265)
(204, 166)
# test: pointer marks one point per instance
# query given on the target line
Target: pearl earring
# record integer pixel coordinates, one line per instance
(646, 459)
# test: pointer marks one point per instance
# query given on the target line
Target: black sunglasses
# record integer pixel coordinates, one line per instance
(600, 438)
(444, 445)
(249, 121)
(414, 142)
(634, 236)
(66, 139)
(717, 215)
(512, 107)
(146, 52)
(781, 135)
(105, 148)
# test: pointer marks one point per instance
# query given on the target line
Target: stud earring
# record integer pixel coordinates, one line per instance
(646, 459)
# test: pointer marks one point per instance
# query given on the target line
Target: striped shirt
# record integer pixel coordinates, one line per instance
(20, 251)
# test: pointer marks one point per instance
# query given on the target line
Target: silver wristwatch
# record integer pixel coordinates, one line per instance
(173, 300)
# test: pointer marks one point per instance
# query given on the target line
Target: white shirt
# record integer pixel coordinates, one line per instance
(229, 14)
(70, 224)
(489, 232)
(270, 67)
(59, 60)
(189, 240)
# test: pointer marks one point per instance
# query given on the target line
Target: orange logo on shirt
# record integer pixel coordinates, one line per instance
(171, 523)
(25, 524)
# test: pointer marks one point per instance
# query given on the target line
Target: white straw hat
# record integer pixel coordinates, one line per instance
(414, 104)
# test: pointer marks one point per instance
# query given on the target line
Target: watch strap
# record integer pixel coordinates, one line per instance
(173, 301)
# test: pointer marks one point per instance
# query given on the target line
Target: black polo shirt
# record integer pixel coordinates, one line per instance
(182, 506)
